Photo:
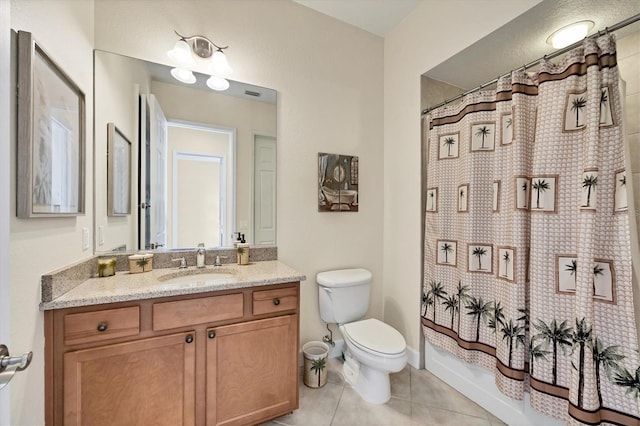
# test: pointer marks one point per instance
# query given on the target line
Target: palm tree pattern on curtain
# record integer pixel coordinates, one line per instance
(575, 351)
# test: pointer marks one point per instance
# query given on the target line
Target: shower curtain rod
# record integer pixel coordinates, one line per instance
(559, 52)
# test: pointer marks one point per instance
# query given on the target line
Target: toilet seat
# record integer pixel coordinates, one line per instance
(372, 335)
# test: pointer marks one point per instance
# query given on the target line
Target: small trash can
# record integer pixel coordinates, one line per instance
(315, 363)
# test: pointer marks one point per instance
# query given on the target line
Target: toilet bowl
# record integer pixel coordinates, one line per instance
(378, 349)
(374, 349)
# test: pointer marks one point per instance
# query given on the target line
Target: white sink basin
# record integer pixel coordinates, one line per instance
(184, 277)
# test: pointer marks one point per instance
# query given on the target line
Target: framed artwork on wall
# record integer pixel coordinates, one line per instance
(51, 136)
(338, 183)
(118, 172)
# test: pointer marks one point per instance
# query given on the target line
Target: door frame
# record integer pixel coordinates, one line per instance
(231, 169)
(5, 194)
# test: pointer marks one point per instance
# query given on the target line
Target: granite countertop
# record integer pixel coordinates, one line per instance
(157, 283)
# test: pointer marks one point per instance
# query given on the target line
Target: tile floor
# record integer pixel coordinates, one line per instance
(417, 398)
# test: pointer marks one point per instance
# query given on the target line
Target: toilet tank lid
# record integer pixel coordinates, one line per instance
(344, 277)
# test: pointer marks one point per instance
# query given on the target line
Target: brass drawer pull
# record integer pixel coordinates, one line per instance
(102, 327)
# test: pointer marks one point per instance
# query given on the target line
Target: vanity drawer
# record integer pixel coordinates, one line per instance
(96, 326)
(278, 300)
(167, 315)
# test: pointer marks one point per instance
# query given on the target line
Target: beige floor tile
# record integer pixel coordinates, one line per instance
(317, 406)
(427, 389)
(496, 421)
(334, 371)
(401, 384)
(354, 411)
(417, 398)
(427, 416)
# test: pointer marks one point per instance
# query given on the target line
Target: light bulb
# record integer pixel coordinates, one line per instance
(569, 34)
(219, 64)
(184, 76)
(217, 83)
(181, 53)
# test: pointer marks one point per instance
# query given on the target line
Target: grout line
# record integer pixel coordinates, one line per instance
(338, 404)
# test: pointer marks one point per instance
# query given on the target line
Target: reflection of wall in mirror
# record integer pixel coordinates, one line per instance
(117, 82)
(247, 117)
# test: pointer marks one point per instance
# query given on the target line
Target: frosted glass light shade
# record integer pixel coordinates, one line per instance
(569, 34)
(181, 53)
(217, 83)
(219, 64)
(184, 76)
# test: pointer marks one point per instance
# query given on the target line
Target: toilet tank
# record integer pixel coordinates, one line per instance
(343, 294)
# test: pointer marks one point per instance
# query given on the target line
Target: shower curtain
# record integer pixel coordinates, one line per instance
(527, 242)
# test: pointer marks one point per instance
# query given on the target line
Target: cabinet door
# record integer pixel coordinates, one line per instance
(252, 371)
(144, 382)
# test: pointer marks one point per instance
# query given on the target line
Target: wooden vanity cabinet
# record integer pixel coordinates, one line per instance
(148, 381)
(251, 371)
(218, 358)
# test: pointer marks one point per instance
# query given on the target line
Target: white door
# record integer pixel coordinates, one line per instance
(264, 190)
(198, 199)
(157, 174)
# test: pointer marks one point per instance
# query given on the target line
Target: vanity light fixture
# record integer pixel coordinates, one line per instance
(191, 50)
(217, 83)
(570, 34)
(184, 76)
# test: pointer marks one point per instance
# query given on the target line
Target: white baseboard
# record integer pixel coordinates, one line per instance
(413, 357)
(478, 385)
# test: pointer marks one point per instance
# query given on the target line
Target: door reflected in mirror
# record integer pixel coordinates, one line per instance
(204, 162)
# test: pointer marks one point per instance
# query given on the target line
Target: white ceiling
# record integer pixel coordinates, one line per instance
(515, 44)
(523, 40)
(376, 16)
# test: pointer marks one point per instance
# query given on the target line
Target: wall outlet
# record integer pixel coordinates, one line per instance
(85, 238)
(101, 235)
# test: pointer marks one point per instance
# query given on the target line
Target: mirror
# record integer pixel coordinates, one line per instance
(203, 162)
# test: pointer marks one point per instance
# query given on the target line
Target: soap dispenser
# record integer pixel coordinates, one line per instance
(243, 251)
(200, 256)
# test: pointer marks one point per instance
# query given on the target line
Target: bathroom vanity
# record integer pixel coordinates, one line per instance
(169, 347)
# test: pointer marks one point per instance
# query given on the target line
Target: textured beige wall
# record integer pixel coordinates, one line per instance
(629, 64)
(64, 28)
(117, 102)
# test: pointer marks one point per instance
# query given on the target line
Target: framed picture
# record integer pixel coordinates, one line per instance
(338, 183)
(51, 136)
(118, 172)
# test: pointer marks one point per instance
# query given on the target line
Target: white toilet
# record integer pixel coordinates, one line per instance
(374, 349)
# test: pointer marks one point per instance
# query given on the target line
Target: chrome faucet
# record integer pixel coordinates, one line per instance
(200, 255)
(183, 262)
(218, 263)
